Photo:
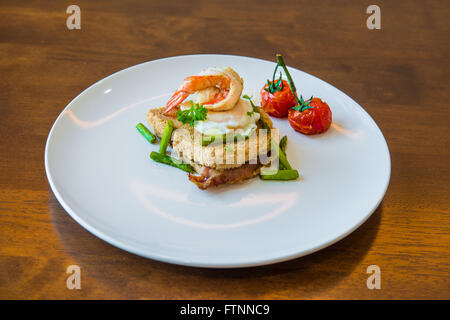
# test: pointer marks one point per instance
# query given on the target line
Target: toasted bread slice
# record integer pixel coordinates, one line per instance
(215, 156)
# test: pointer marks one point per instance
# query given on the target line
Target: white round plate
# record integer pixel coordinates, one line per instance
(99, 168)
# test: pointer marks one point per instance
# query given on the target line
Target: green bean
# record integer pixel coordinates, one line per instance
(146, 133)
(281, 175)
(165, 139)
(163, 158)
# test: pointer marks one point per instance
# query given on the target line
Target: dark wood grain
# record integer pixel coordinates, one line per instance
(399, 74)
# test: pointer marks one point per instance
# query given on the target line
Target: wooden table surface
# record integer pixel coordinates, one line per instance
(399, 74)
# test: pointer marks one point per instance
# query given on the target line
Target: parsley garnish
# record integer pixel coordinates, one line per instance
(196, 113)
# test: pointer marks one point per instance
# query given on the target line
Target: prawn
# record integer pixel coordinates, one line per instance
(219, 91)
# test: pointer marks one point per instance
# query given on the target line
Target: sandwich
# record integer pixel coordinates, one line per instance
(216, 130)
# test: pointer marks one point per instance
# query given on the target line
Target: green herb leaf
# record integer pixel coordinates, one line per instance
(196, 113)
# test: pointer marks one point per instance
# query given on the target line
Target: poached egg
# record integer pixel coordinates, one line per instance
(241, 119)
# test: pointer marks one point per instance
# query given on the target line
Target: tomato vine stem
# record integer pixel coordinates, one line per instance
(281, 63)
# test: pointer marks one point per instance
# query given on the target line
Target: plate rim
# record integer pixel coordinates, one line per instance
(129, 248)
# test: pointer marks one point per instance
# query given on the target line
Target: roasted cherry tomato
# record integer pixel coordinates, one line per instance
(311, 116)
(278, 103)
(277, 97)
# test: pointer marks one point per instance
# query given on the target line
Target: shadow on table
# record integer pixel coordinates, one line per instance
(130, 276)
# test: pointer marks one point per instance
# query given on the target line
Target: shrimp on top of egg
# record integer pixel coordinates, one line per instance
(218, 89)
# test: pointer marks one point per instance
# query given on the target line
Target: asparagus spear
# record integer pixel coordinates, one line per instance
(281, 155)
(255, 109)
(283, 143)
(264, 124)
(281, 175)
(166, 136)
(281, 148)
(162, 158)
(207, 140)
(146, 133)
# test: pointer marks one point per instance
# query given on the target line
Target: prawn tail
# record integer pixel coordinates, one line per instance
(175, 100)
